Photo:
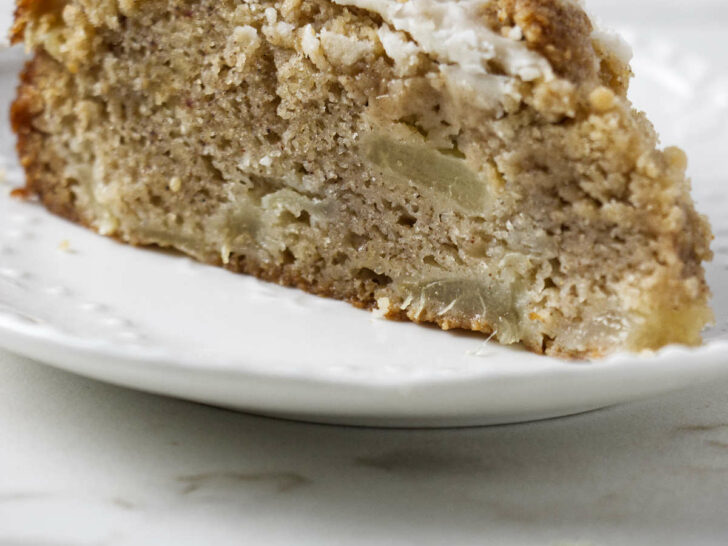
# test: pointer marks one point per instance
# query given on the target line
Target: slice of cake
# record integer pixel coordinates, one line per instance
(471, 163)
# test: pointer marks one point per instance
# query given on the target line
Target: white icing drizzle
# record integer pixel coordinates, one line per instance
(613, 42)
(453, 32)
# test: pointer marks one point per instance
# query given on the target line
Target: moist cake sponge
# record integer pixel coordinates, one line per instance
(474, 163)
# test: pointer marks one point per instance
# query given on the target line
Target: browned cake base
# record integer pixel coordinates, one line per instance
(311, 144)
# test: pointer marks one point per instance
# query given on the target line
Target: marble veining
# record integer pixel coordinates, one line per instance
(702, 428)
(409, 462)
(280, 482)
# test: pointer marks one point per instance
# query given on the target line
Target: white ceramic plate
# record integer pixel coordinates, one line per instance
(162, 323)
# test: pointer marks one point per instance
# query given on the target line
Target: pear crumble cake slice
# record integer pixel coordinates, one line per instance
(471, 163)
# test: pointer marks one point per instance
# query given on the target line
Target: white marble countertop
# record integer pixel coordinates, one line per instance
(83, 463)
(87, 463)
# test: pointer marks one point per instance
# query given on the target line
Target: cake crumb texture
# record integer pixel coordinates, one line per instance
(318, 145)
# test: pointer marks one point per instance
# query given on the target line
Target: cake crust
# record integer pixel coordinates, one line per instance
(39, 163)
(561, 32)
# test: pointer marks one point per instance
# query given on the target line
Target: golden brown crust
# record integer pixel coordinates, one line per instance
(31, 9)
(613, 72)
(558, 30)
(39, 162)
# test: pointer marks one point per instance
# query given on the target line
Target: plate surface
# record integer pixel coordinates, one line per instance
(162, 323)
